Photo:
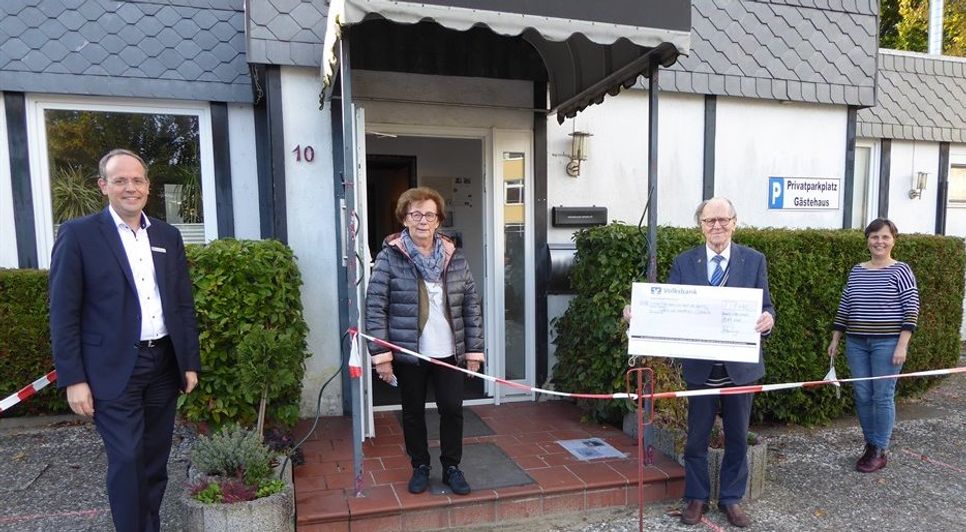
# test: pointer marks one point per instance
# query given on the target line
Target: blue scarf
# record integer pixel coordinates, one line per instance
(429, 266)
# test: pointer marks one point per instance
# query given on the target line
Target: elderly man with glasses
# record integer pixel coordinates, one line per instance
(720, 262)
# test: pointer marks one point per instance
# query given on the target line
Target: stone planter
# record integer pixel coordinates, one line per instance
(275, 513)
(671, 443)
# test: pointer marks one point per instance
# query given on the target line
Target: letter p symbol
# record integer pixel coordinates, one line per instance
(776, 186)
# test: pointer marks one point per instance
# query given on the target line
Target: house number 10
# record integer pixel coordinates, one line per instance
(307, 153)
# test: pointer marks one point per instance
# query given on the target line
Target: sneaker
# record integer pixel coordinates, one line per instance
(420, 479)
(869, 453)
(454, 478)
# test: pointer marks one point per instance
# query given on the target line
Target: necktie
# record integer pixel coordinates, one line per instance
(718, 274)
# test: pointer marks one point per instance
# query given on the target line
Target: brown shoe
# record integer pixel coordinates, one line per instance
(875, 463)
(691, 515)
(869, 453)
(736, 516)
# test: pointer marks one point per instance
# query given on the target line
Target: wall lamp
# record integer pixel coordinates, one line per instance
(919, 180)
(578, 152)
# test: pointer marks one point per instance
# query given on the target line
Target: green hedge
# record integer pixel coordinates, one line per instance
(238, 285)
(25, 342)
(807, 270)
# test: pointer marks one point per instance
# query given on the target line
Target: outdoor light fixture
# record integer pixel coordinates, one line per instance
(918, 184)
(578, 152)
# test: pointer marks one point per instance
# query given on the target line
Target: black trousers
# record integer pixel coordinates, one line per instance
(136, 428)
(448, 386)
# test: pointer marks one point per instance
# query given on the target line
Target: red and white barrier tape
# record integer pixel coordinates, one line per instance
(27, 391)
(756, 388)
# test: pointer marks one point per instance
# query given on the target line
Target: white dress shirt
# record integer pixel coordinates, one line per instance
(137, 247)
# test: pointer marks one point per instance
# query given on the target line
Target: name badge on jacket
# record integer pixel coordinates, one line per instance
(158, 250)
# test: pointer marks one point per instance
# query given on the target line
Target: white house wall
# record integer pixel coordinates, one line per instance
(8, 236)
(244, 170)
(909, 157)
(312, 231)
(758, 139)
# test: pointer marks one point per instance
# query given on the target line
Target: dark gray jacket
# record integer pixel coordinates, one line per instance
(397, 303)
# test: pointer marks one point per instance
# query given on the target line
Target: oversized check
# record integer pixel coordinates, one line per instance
(704, 322)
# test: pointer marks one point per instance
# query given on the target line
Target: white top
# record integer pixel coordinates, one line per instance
(437, 338)
(137, 247)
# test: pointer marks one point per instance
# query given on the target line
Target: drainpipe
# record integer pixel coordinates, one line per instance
(935, 27)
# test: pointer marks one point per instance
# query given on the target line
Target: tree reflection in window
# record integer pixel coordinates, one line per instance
(169, 143)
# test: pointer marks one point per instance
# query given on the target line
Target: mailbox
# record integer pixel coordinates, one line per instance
(579, 216)
(561, 262)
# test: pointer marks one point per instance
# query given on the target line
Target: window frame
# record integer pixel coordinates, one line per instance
(956, 161)
(38, 104)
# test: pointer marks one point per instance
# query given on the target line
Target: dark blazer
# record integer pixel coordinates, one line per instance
(747, 268)
(95, 317)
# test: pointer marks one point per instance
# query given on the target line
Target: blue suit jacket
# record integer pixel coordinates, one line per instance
(95, 317)
(747, 268)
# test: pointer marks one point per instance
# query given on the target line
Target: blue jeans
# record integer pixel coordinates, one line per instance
(875, 403)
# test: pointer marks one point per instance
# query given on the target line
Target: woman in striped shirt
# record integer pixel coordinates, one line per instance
(878, 313)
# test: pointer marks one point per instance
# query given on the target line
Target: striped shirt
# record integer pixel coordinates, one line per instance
(879, 302)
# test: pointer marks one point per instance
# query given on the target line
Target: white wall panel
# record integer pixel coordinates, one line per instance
(758, 139)
(312, 231)
(913, 215)
(8, 236)
(244, 170)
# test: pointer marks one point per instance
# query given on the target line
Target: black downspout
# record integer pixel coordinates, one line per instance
(654, 91)
(222, 155)
(270, 151)
(942, 193)
(885, 169)
(23, 203)
(710, 129)
(849, 185)
(540, 213)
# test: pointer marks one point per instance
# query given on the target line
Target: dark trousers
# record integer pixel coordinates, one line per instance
(448, 387)
(735, 415)
(136, 428)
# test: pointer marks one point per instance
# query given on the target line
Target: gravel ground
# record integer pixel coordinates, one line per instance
(812, 483)
(52, 478)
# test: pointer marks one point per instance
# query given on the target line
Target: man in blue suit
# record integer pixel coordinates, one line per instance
(720, 263)
(124, 335)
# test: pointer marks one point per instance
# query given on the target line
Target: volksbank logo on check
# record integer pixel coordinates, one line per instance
(803, 193)
(658, 290)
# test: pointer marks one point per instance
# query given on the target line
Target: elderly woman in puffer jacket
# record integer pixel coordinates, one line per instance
(422, 297)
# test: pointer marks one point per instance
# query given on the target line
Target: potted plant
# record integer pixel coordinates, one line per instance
(234, 487)
(670, 436)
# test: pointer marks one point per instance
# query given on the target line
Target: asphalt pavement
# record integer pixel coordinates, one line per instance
(52, 478)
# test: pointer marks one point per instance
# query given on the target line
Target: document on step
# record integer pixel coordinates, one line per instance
(703, 322)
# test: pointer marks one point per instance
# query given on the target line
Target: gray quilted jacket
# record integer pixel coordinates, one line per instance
(397, 303)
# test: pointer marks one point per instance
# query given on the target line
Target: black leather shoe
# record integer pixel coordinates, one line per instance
(691, 515)
(420, 479)
(454, 478)
(736, 516)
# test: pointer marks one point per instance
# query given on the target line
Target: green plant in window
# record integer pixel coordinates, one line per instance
(190, 208)
(74, 193)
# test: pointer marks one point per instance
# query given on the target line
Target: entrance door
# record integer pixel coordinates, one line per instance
(455, 167)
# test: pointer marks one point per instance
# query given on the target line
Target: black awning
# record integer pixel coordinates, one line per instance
(590, 48)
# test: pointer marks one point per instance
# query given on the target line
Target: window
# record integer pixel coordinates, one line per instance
(514, 192)
(69, 136)
(957, 185)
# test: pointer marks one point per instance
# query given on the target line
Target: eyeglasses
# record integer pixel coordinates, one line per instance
(138, 182)
(723, 222)
(417, 216)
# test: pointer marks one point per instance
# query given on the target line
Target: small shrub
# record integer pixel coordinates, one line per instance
(233, 452)
(207, 492)
(270, 487)
(236, 490)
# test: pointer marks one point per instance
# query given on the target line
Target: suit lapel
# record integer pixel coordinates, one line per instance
(737, 263)
(699, 263)
(159, 260)
(113, 239)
